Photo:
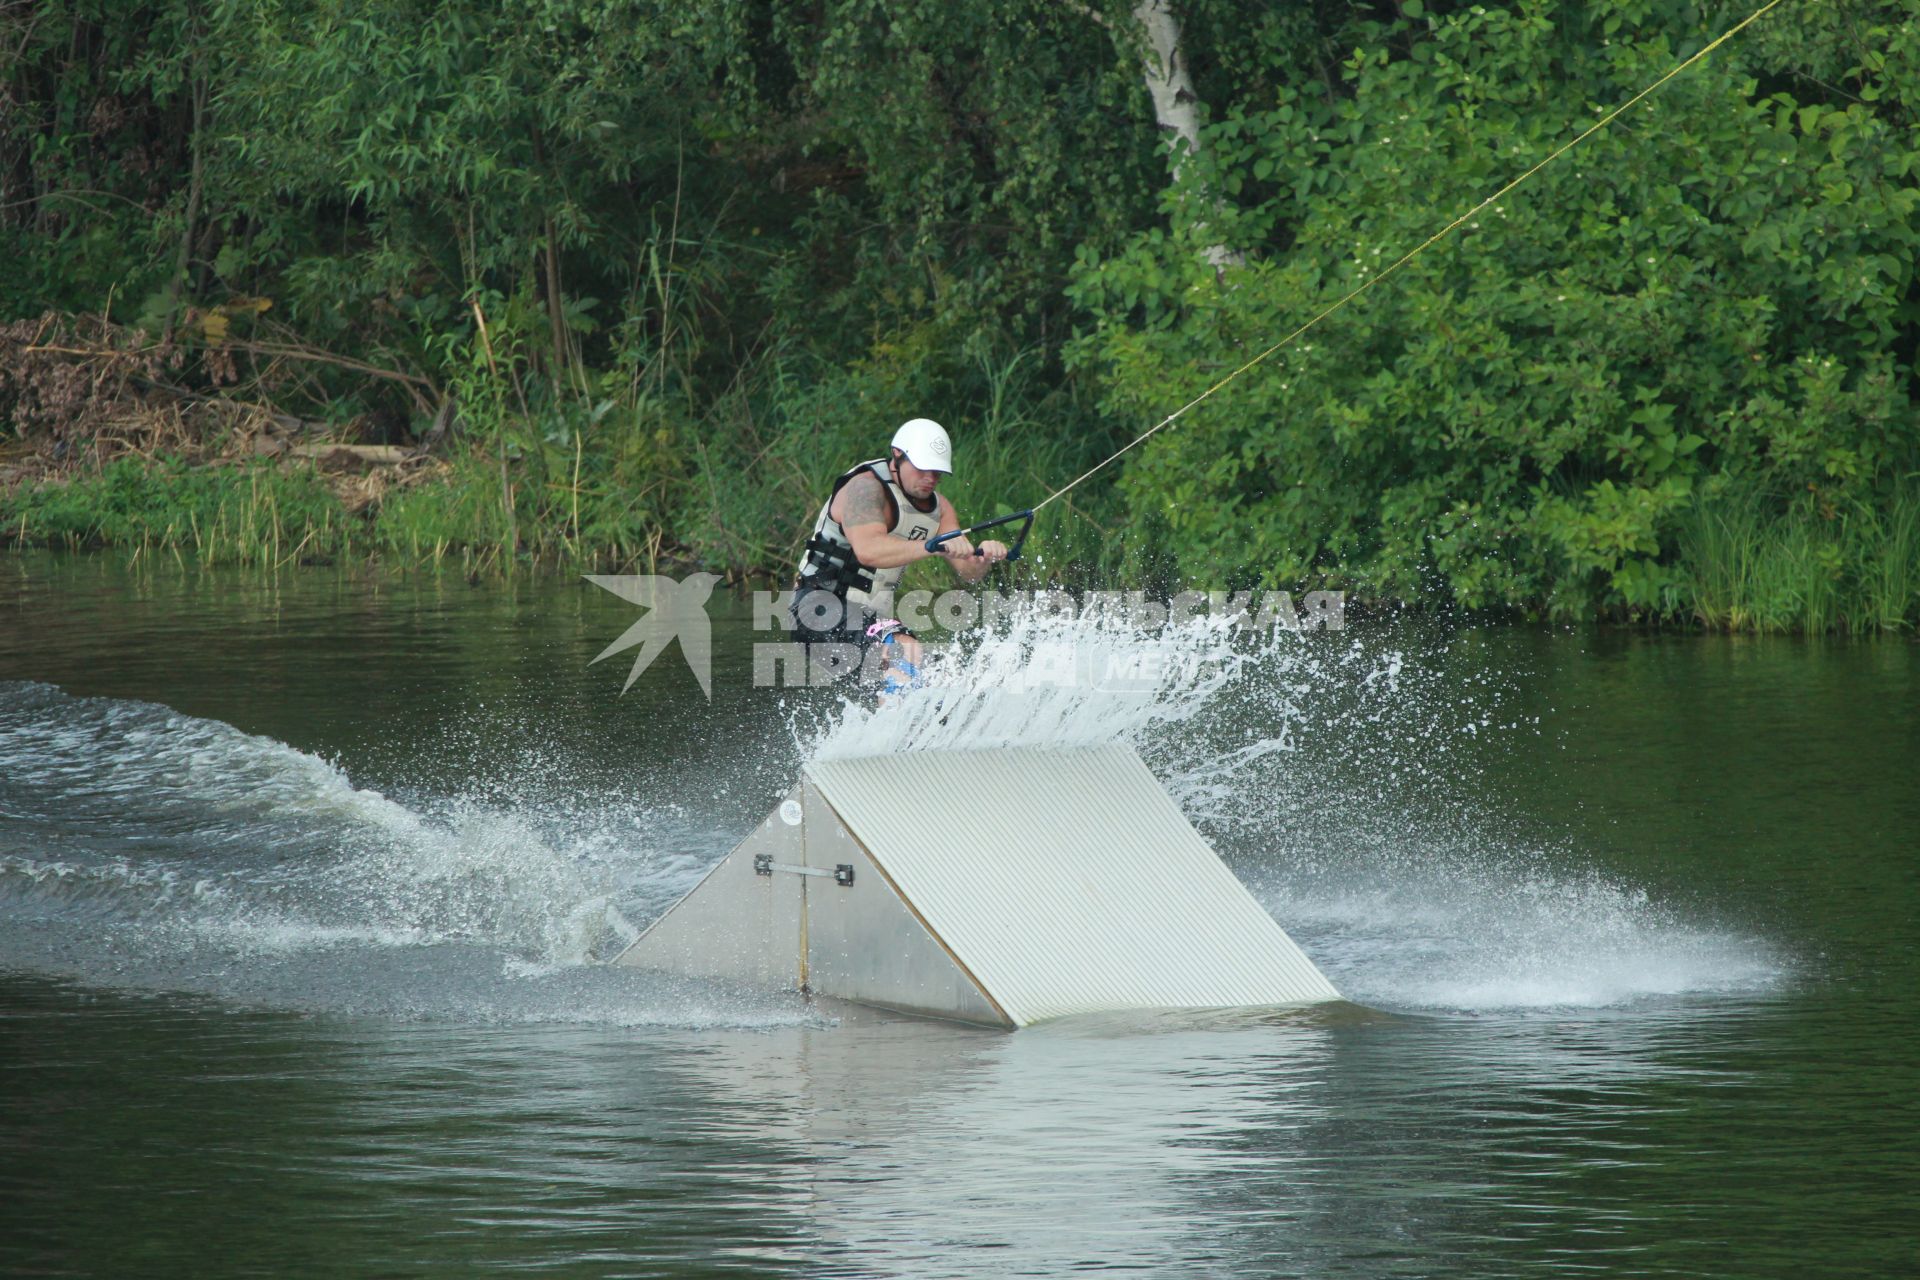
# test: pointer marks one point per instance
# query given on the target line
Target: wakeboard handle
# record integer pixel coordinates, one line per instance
(1013, 552)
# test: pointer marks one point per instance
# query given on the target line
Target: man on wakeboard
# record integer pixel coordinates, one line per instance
(876, 522)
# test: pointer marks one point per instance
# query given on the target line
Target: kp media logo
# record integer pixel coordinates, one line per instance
(676, 609)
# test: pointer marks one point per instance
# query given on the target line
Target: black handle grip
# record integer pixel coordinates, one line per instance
(1013, 552)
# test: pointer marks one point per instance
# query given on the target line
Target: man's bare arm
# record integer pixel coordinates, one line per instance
(861, 509)
(862, 500)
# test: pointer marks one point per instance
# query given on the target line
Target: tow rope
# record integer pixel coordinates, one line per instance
(1435, 238)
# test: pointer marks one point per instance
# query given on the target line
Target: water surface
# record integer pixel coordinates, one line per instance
(303, 882)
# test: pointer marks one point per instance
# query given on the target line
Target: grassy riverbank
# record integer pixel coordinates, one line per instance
(1738, 567)
(626, 484)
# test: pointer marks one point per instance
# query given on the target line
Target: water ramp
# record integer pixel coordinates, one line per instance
(1000, 887)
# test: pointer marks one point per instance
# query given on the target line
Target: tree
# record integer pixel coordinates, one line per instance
(1717, 291)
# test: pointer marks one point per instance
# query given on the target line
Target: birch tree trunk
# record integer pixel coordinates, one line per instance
(1176, 108)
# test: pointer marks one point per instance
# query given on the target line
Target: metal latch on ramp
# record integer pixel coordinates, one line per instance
(764, 865)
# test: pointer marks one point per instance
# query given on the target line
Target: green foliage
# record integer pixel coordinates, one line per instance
(451, 146)
(1719, 285)
(675, 265)
(994, 137)
(428, 523)
(257, 514)
(92, 150)
(776, 450)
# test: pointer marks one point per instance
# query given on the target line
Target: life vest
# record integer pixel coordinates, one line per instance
(827, 562)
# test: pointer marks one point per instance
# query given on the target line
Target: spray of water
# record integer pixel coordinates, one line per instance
(1341, 774)
(1345, 776)
(141, 846)
(1042, 678)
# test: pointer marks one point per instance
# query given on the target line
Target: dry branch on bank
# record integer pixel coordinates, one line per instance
(77, 392)
(83, 390)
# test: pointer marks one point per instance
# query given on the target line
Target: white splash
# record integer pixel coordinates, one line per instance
(1341, 774)
(1487, 933)
(1336, 772)
(1043, 678)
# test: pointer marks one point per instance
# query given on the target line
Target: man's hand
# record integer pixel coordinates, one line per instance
(971, 563)
(961, 549)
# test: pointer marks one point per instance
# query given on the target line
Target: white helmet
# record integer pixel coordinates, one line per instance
(925, 443)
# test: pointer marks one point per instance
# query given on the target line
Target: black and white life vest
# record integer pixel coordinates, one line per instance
(827, 562)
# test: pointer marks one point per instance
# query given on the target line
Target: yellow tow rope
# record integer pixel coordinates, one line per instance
(1435, 238)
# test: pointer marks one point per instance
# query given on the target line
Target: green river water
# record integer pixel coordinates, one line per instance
(304, 881)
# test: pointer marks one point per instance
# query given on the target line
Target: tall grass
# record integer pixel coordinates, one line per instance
(430, 523)
(631, 480)
(252, 514)
(1752, 562)
(1890, 582)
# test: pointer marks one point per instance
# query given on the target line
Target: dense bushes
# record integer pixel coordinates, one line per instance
(1695, 329)
(665, 268)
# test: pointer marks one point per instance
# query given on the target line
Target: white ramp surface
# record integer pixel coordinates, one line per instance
(1066, 881)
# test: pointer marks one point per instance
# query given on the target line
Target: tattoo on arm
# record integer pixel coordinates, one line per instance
(863, 501)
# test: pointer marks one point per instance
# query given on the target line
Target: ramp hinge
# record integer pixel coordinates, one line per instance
(764, 865)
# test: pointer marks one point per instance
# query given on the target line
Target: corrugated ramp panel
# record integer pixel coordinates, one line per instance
(1067, 881)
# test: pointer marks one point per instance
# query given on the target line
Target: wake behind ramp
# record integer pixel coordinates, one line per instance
(1000, 887)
